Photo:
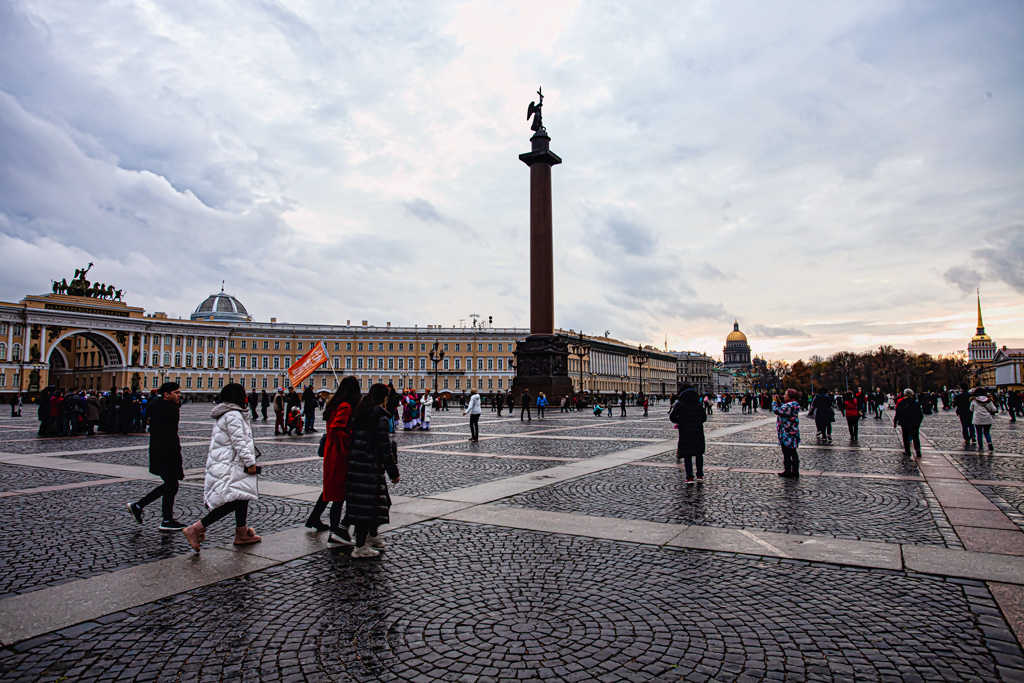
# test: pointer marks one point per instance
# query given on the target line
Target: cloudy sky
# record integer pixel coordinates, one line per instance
(836, 175)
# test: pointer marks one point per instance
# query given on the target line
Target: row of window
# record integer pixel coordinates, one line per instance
(15, 352)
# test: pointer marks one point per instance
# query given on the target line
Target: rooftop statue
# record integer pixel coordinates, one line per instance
(534, 111)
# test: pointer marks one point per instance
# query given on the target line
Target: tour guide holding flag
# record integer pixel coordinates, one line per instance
(305, 366)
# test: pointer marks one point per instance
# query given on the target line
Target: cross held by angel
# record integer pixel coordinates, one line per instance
(534, 110)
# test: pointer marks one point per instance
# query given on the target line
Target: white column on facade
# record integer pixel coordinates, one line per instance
(131, 346)
(42, 345)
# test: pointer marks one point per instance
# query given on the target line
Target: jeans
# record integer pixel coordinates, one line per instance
(985, 430)
(790, 460)
(474, 426)
(688, 463)
(168, 489)
(911, 434)
(310, 418)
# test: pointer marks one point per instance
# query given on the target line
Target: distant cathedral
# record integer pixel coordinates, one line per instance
(737, 351)
(980, 353)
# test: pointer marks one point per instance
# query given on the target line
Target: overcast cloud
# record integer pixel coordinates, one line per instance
(833, 175)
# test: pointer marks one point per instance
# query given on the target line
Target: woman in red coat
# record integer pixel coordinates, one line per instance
(852, 411)
(337, 442)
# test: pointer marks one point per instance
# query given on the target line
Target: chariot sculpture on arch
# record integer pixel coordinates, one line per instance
(79, 286)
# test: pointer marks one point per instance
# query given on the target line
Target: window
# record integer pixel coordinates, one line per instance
(479, 347)
(287, 346)
(423, 363)
(188, 382)
(264, 382)
(423, 347)
(177, 359)
(391, 362)
(423, 383)
(277, 346)
(336, 346)
(490, 383)
(253, 383)
(231, 343)
(490, 364)
(348, 346)
(323, 381)
(458, 383)
(167, 357)
(220, 360)
(359, 346)
(231, 361)
(445, 382)
(500, 363)
(3, 351)
(17, 333)
(500, 382)
(209, 360)
(277, 362)
(243, 343)
(156, 358)
(457, 348)
(209, 382)
(266, 346)
(155, 380)
(445, 347)
(4, 327)
(380, 362)
(359, 363)
(266, 362)
(401, 347)
(337, 362)
(458, 362)
(444, 364)
(287, 361)
(177, 340)
(199, 360)
(348, 363)
(3, 380)
(252, 362)
(220, 382)
(401, 364)
(490, 347)
(241, 361)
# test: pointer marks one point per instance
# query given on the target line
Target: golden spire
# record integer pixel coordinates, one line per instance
(981, 325)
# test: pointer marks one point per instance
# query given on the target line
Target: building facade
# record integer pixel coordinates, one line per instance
(1008, 368)
(612, 366)
(694, 368)
(79, 342)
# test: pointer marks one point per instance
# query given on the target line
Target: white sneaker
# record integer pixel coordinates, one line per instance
(365, 551)
(375, 541)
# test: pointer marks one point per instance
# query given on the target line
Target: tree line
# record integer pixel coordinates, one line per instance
(888, 368)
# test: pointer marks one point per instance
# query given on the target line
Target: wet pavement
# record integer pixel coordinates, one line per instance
(569, 548)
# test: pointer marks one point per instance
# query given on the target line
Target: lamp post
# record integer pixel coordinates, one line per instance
(581, 349)
(640, 358)
(435, 358)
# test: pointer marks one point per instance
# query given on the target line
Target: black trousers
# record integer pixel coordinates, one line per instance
(239, 507)
(474, 426)
(321, 505)
(854, 425)
(263, 409)
(168, 489)
(525, 410)
(911, 434)
(824, 427)
(362, 531)
(790, 460)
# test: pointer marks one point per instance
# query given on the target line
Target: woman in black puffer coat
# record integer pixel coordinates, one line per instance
(689, 416)
(366, 495)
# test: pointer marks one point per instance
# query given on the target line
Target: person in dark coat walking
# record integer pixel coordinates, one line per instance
(525, 402)
(164, 455)
(909, 417)
(309, 406)
(336, 445)
(962, 401)
(689, 416)
(372, 454)
(254, 400)
(264, 403)
(824, 414)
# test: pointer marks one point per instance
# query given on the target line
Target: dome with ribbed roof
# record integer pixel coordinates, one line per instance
(221, 307)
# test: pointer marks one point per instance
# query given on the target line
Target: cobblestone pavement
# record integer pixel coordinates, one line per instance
(519, 611)
(465, 601)
(864, 509)
(14, 478)
(55, 537)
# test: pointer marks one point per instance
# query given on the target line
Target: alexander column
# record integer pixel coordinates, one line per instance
(542, 359)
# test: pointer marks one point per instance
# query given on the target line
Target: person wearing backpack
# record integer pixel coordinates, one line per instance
(982, 410)
(689, 416)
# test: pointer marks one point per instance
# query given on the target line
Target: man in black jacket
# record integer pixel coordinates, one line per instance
(254, 402)
(309, 406)
(962, 401)
(909, 417)
(689, 416)
(164, 455)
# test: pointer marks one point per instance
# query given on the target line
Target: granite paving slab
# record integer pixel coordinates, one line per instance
(856, 508)
(422, 474)
(835, 459)
(59, 536)
(1009, 499)
(510, 606)
(538, 447)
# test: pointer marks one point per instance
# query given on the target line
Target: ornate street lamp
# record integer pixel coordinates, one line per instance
(580, 349)
(640, 358)
(435, 357)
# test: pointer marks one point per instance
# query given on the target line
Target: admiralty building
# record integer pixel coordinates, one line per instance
(87, 338)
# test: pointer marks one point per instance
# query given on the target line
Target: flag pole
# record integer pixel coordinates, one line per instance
(329, 363)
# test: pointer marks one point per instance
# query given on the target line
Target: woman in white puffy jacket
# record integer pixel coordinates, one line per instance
(230, 469)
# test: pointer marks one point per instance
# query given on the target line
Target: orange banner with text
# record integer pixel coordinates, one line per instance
(304, 367)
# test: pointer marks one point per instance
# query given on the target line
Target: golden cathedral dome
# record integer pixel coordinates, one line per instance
(736, 335)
